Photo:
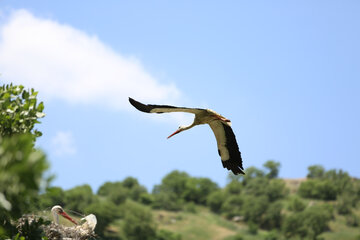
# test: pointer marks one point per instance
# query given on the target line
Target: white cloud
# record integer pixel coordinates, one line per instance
(63, 143)
(65, 63)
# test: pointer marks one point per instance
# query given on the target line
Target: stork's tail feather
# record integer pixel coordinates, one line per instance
(234, 166)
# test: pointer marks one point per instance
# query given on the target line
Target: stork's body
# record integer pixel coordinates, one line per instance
(226, 142)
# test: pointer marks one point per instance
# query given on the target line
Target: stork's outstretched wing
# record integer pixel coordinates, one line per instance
(227, 147)
(150, 108)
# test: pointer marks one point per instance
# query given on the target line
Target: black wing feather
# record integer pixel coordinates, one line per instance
(234, 163)
(151, 108)
(147, 107)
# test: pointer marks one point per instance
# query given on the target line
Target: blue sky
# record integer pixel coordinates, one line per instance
(287, 74)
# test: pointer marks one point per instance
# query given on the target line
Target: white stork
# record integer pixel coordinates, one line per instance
(89, 221)
(227, 146)
(58, 210)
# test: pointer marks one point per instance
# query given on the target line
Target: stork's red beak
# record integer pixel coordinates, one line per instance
(64, 214)
(176, 132)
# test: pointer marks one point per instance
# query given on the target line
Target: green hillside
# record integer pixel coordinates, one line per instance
(203, 224)
(181, 218)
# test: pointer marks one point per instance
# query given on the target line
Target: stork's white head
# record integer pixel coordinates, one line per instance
(179, 130)
(58, 210)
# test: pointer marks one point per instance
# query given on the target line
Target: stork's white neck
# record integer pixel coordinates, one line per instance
(55, 217)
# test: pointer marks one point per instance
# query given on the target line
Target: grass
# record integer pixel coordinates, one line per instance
(203, 225)
(200, 225)
(339, 229)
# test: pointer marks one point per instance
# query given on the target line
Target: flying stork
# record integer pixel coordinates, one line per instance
(227, 146)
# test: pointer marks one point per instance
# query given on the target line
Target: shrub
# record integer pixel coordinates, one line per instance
(253, 228)
(272, 235)
(254, 208)
(272, 217)
(296, 204)
(79, 197)
(236, 237)
(343, 205)
(138, 222)
(163, 234)
(309, 223)
(318, 189)
(352, 220)
(190, 207)
(215, 201)
(233, 206)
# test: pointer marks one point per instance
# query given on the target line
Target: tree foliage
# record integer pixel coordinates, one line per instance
(326, 185)
(22, 166)
(178, 187)
(272, 169)
(19, 111)
(309, 223)
(52, 196)
(79, 197)
(295, 204)
(106, 212)
(138, 222)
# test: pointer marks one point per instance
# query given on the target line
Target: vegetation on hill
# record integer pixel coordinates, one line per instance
(258, 205)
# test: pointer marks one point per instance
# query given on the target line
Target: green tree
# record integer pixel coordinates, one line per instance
(254, 207)
(174, 182)
(233, 206)
(272, 168)
(309, 223)
(114, 191)
(79, 197)
(252, 173)
(315, 171)
(53, 196)
(108, 187)
(138, 222)
(318, 188)
(295, 204)
(166, 200)
(326, 185)
(340, 179)
(345, 203)
(234, 187)
(19, 111)
(135, 189)
(276, 189)
(21, 166)
(215, 201)
(272, 218)
(106, 212)
(197, 189)
(21, 173)
(169, 194)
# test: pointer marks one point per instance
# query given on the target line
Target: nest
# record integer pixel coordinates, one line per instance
(32, 225)
(59, 232)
